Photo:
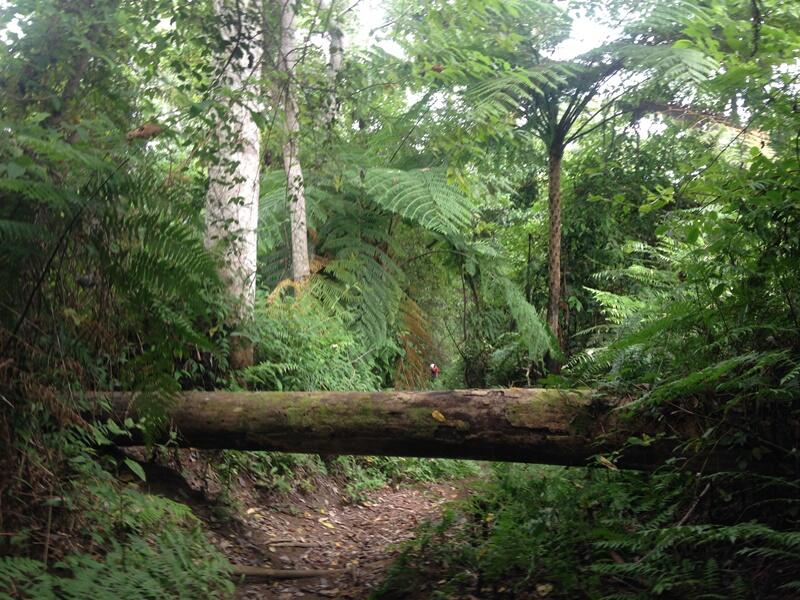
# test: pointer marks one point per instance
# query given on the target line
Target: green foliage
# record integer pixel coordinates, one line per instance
(505, 338)
(530, 526)
(279, 471)
(695, 321)
(104, 283)
(423, 197)
(366, 474)
(525, 346)
(712, 309)
(590, 534)
(122, 541)
(356, 213)
(722, 559)
(428, 229)
(172, 563)
(300, 345)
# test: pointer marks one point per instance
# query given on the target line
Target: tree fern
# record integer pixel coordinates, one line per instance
(351, 215)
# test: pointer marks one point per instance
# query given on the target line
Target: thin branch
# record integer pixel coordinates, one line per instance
(410, 131)
(604, 106)
(249, 572)
(594, 89)
(567, 119)
(692, 508)
(584, 132)
(744, 129)
(390, 22)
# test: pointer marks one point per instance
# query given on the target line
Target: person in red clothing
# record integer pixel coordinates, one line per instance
(434, 370)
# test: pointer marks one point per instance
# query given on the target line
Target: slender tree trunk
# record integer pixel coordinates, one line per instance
(528, 282)
(233, 192)
(335, 61)
(291, 146)
(554, 248)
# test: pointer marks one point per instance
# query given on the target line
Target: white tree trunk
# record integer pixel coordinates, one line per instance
(232, 198)
(291, 147)
(335, 61)
(233, 192)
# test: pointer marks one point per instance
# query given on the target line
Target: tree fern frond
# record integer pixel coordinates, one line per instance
(423, 197)
(534, 333)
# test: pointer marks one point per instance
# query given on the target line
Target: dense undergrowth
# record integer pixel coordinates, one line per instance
(429, 223)
(706, 333)
(357, 475)
(551, 532)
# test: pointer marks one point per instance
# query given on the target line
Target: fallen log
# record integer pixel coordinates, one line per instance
(517, 425)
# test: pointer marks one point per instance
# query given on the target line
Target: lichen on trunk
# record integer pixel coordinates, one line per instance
(231, 208)
(295, 186)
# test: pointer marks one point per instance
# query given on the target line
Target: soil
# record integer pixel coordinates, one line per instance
(360, 539)
(316, 530)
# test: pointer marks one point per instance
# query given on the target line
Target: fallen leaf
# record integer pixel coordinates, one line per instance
(607, 463)
(438, 416)
(543, 589)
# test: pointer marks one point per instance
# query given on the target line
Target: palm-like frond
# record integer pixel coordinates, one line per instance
(421, 196)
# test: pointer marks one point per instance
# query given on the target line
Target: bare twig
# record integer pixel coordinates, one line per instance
(249, 572)
(689, 512)
(293, 544)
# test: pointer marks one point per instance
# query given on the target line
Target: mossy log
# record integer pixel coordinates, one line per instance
(545, 426)
(519, 425)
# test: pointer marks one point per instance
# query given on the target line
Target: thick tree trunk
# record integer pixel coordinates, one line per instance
(233, 192)
(524, 425)
(291, 146)
(554, 246)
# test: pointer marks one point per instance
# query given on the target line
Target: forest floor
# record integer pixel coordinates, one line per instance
(319, 529)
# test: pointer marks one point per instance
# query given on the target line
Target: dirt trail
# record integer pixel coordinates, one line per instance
(361, 540)
(318, 529)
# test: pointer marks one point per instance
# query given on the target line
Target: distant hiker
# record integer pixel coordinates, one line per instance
(434, 370)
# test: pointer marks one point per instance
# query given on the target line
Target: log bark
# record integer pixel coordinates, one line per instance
(520, 425)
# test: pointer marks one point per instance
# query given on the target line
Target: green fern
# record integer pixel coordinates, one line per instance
(164, 567)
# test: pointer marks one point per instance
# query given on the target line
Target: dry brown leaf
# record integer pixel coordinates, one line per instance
(144, 132)
(543, 589)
